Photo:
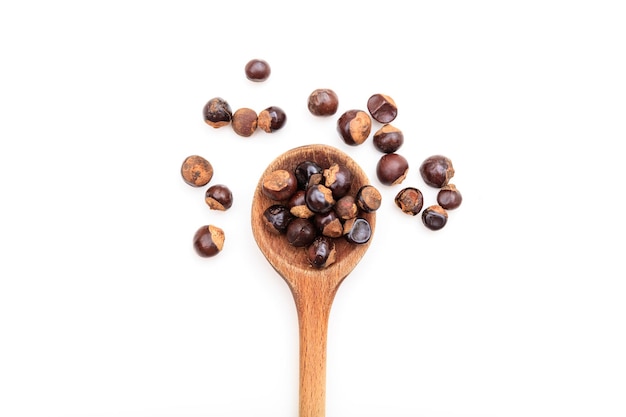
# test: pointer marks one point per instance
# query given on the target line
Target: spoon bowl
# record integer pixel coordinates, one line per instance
(313, 289)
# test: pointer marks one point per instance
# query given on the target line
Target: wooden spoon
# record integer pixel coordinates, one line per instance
(313, 289)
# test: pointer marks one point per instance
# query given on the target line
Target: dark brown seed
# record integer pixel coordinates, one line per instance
(245, 122)
(321, 253)
(339, 179)
(279, 185)
(323, 102)
(368, 198)
(276, 218)
(436, 170)
(257, 70)
(392, 169)
(217, 112)
(354, 126)
(218, 197)
(328, 224)
(346, 207)
(410, 200)
(434, 217)
(271, 119)
(297, 205)
(196, 171)
(304, 171)
(357, 230)
(208, 241)
(382, 108)
(449, 197)
(300, 232)
(319, 198)
(388, 139)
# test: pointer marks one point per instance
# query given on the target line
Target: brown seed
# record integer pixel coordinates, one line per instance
(219, 197)
(410, 200)
(346, 207)
(244, 122)
(297, 205)
(305, 170)
(196, 171)
(276, 218)
(354, 126)
(382, 108)
(279, 185)
(388, 139)
(321, 253)
(368, 198)
(434, 217)
(357, 230)
(323, 102)
(338, 178)
(271, 119)
(217, 112)
(319, 198)
(392, 169)
(328, 224)
(449, 197)
(257, 70)
(437, 170)
(300, 232)
(208, 241)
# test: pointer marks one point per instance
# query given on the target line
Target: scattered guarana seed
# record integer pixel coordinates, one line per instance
(354, 126)
(219, 197)
(436, 170)
(392, 169)
(382, 108)
(388, 139)
(257, 70)
(217, 112)
(271, 119)
(244, 122)
(196, 171)
(208, 241)
(449, 197)
(312, 204)
(434, 217)
(410, 200)
(323, 102)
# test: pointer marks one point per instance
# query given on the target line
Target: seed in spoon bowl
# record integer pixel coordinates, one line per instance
(308, 161)
(276, 218)
(279, 184)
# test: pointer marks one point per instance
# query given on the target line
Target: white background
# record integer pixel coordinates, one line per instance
(516, 308)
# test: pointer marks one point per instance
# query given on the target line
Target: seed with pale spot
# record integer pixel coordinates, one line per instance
(196, 171)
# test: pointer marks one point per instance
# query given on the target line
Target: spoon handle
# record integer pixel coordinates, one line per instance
(313, 302)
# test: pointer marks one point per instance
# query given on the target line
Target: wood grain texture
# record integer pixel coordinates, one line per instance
(313, 289)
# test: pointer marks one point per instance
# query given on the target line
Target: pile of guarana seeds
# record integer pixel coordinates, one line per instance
(354, 127)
